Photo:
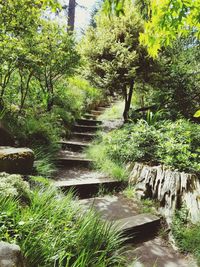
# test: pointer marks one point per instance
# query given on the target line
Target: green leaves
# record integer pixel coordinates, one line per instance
(197, 114)
(170, 19)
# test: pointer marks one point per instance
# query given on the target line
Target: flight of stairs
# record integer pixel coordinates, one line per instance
(76, 172)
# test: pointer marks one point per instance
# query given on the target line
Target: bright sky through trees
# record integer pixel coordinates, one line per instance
(83, 13)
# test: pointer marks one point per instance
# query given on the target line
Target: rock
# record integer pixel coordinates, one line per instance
(6, 139)
(10, 255)
(171, 188)
(16, 160)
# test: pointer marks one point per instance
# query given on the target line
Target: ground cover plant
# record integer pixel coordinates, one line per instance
(174, 144)
(52, 230)
(186, 234)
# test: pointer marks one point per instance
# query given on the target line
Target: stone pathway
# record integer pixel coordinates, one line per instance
(75, 171)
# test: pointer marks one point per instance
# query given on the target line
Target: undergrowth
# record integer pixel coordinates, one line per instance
(174, 144)
(102, 162)
(186, 234)
(52, 230)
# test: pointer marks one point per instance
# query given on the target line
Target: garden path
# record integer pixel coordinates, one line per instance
(95, 190)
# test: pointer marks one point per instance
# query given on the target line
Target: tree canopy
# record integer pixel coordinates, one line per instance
(167, 20)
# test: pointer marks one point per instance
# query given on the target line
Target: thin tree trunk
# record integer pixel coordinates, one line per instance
(128, 97)
(71, 15)
(23, 97)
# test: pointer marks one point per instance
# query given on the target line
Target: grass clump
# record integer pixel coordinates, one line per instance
(52, 230)
(186, 234)
(102, 162)
(114, 112)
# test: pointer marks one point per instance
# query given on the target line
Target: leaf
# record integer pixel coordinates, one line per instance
(197, 114)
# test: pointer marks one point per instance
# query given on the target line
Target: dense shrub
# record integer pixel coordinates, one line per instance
(12, 185)
(174, 144)
(41, 130)
(53, 231)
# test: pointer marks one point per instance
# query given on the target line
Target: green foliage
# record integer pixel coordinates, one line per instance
(91, 96)
(174, 144)
(113, 57)
(170, 19)
(114, 112)
(147, 206)
(98, 153)
(116, 61)
(53, 231)
(12, 185)
(197, 114)
(187, 235)
(175, 85)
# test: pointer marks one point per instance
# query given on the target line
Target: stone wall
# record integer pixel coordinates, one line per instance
(171, 188)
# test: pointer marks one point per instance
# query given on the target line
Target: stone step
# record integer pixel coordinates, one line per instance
(73, 145)
(139, 227)
(89, 122)
(90, 116)
(69, 162)
(96, 112)
(102, 109)
(117, 208)
(88, 187)
(85, 128)
(83, 136)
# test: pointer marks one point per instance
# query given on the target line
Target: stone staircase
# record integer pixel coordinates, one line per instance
(139, 230)
(75, 172)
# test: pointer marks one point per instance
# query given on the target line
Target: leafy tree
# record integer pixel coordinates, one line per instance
(116, 61)
(14, 27)
(176, 82)
(168, 19)
(55, 57)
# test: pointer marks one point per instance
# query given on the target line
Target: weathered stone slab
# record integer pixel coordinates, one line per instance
(171, 188)
(16, 160)
(10, 255)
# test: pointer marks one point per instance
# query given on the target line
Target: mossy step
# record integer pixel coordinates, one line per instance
(73, 145)
(89, 122)
(88, 187)
(90, 116)
(85, 128)
(96, 112)
(83, 136)
(69, 162)
(101, 109)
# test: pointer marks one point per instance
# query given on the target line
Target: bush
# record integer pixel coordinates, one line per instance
(12, 185)
(53, 231)
(91, 96)
(174, 144)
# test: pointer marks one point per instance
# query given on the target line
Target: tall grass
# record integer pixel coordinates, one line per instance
(114, 112)
(102, 162)
(54, 231)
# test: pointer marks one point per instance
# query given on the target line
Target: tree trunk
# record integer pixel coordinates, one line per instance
(128, 97)
(71, 15)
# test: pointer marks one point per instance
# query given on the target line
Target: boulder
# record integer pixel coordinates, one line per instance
(6, 139)
(11, 255)
(170, 188)
(16, 160)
